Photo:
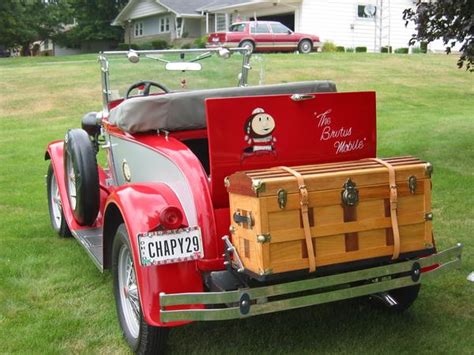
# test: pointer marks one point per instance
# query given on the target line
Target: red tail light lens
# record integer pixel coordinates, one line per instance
(171, 217)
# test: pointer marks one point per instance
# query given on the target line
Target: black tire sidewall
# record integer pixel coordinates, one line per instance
(150, 340)
(121, 238)
(63, 229)
(79, 149)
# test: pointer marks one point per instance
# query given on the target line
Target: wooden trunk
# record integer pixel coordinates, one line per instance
(269, 235)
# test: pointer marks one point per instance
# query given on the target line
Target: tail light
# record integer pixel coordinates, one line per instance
(171, 217)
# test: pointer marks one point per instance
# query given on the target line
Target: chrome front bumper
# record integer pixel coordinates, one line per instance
(253, 301)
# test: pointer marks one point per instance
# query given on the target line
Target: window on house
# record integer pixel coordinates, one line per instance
(259, 28)
(138, 29)
(164, 24)
(366, 11)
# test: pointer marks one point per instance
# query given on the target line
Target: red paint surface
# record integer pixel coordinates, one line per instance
(302, 133)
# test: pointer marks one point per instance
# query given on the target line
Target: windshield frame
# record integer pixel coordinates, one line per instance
(221, 52)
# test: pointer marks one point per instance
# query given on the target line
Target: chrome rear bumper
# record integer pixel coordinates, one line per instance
(253, 301)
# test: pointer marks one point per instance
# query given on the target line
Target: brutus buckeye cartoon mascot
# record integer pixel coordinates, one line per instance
(258, 132)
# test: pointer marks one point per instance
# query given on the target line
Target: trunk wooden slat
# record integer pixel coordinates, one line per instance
(274, 241)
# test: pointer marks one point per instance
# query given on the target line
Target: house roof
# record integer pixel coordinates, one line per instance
(182, 8)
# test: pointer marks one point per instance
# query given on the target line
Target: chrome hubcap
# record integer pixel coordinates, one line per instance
(56, 207)
(127, 283)
(71, 183)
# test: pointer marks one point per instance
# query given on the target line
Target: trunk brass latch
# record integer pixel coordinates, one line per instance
(282, 198)
(350, 194)
(243, 218)
(412, 184)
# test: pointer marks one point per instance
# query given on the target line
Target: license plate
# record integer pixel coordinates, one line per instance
(172, 246)
(215, 39)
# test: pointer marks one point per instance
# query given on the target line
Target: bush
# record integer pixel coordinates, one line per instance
(186, 46)
(361, 49)
(386, 49)
(200, 42)
(417, 50)
(329, 47)
(424, 47)
(340, 49)
(124, 46)
(146, 46)
(160, 44)
(403, 50)
(349, 50)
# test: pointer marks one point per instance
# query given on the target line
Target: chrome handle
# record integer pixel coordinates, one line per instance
(301, 97)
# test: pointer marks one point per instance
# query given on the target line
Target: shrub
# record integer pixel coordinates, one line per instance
(424, 47)
(200, 42)
(124, 46)
(340, 49)
(417, 50)
(403, 50)
(361, 49)
(186, 46)
(160, 44)
(146, 46)
(349, 50)
(329, 47)
(386, 49)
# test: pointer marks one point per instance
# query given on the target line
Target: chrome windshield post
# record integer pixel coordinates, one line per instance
(243, 80)
(104, 69)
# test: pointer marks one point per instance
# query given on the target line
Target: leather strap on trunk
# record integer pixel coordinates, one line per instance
(393, 206)
(305, 216)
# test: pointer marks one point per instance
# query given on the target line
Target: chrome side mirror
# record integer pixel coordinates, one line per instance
(224, 53)
(133, 56)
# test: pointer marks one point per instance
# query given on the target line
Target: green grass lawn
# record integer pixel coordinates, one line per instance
(53, 299)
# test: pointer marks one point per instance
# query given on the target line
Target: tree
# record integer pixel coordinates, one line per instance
(450, 20)
(22, 22)
(93, 21)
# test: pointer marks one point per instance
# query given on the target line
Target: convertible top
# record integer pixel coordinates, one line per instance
(180, 111)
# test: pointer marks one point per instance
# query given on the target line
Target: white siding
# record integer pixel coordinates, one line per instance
(337, 21)
(145, 8)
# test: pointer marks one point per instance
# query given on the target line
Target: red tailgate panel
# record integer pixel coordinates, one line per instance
(263, 131)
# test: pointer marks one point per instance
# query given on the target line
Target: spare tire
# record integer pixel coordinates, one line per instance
(81, 176)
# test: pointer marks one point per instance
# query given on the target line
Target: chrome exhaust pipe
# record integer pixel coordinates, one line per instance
(385, 298)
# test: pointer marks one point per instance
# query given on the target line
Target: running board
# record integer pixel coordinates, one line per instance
(91, 240)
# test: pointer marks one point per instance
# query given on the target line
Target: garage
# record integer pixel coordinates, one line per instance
(288, 19)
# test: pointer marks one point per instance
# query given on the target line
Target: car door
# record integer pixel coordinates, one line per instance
(283, 38)
(262, 36)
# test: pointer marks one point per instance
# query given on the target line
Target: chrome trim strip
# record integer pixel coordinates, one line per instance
(377, 276)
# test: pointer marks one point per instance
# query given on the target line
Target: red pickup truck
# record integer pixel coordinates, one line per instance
(263, 36)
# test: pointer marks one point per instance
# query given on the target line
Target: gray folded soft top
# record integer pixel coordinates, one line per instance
(180, 111)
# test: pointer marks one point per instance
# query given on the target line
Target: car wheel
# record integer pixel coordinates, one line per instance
(249, 45)
(404, 298)
(56, 215)
(142, 338)
(82, 177)
(305, 46)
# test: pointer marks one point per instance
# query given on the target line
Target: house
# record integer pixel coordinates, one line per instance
(349, 23)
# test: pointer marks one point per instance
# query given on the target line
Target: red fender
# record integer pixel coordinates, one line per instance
(55, 152)
(140, 206)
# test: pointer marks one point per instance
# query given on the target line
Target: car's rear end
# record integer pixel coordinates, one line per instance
(231, 38)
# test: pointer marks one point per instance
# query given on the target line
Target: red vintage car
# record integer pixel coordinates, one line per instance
(263, 36)
(157, 212)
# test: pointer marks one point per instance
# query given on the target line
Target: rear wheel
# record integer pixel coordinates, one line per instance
(249, 45)
(55, 206)
(305, 46)
(82, 176)
(142, 338)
